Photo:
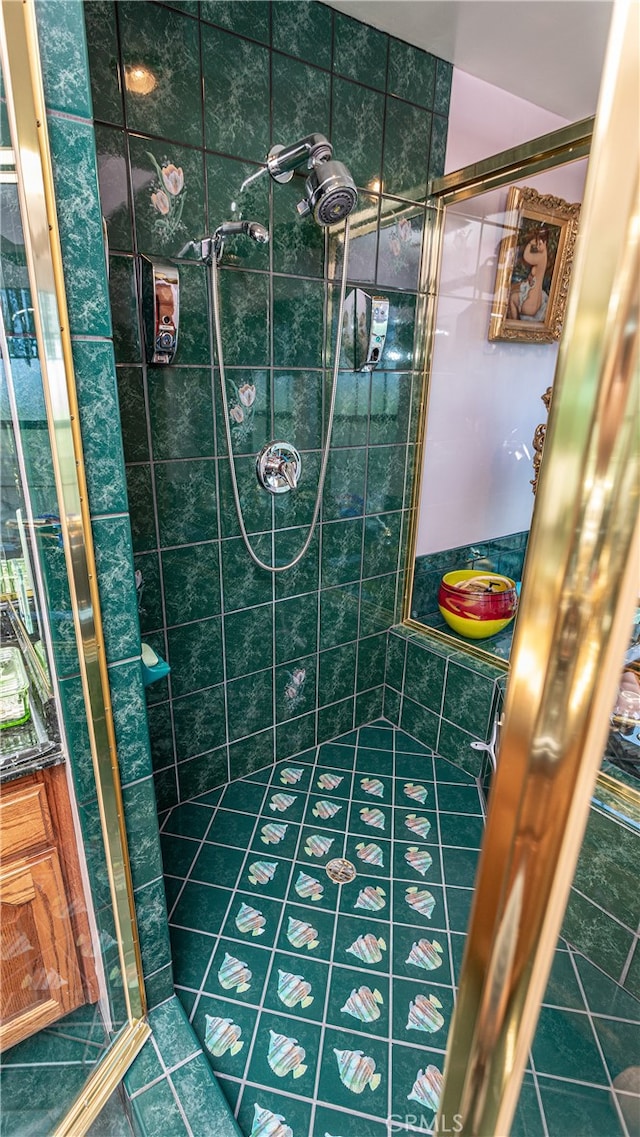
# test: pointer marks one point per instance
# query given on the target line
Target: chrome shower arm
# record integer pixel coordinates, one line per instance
(284, 159)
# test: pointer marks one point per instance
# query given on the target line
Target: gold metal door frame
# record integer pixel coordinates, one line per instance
(28, 122)
(582, 581)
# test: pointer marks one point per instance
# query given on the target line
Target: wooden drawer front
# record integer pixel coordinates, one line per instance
(39, 975)
(25, 822)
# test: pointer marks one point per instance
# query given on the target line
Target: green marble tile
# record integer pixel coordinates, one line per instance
(199, 722)
(371, 661)
(244, 304)
(358, 115)
(416, 956)
(344, 487)
(156, 1108)
(596, 934)
(297, 399)
(168, 1024)
(564, 1041)
(236, 95)
(181, 412)
(455, 744)
(391, 705)
(168, 195)
(303, 28)
(298, 322)
(217, 864)
(140, 497)
(363, 246)
(376, 604)
(191, 578)
(102, 50)
(202, 907)
(133, 422)
(459, 799)
(195, 655)
(256, 507)
(186, 497)
(248, 633)
(141, 819)
(178, 854)
(295, 688)
(406, 150)
(390, 405)
(61, 36)
(381, 544)
(351, 419)
(114, 559)
(606, 870)
(301, 103)
(296, 627)
(224, 179)
(398, 348)
(127, 694)
(412, 73)
(251, 753)
(333, 1090)
(243, 796)
(166, 45)
(201, 1099)
(124, 313)
(75, 178)
(338, 615)
(294, 509)
(166, 788)
(604, 997)
(229, 828)
(151, 910)
(570, 1108)
(337, 674)
(460, 866)
(250, 704)
(468, 700)
(96, 387)
(360, 52)
(111, 150)
(444, 75)
(298, 242)
(437, 153)
(461, 830)
(144, 1069)
(304, 577)
(335, 719)
(246, 17)
(385, 478)
(341, 552)
(399, 245)
(249, 400)
(296, 734)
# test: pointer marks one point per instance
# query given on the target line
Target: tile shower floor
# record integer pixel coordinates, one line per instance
(324, 1008)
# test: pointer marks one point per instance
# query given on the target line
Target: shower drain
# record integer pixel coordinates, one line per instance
(341, 871)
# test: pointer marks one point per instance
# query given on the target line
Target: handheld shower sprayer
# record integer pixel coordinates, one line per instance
(329, 190)
(213, 246)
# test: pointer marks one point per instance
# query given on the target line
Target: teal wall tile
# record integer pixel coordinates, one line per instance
(606, 870)
(296, 627)
(186, 496)
(297, 405)
(102, 49)
(406, 150)
(94, 367)
(248, 18)
(191, 581)
(295, 688)
(140, 495)
(130, 720)
(371, 661)
(199, 722)
(444, 76)
(181, 412)
(195, 655)
(251, 753)
(242, 580)
(111, 150)
(376, 604)
(424, 676)
(298, 242)
(360, 52)
(369, 705)
(224, 176)
(141, 819)
(124, 313)
(168, 195)
(244, 304)
(396, 656)
(296, 735)
(298, 322)
(339, 615)
(77, 731)
(392, 705)
(197, 775)
(344, 487)
(337, 673)
(303, 28)
(159, 986)
(153, 929)
(390, 407)
(469, 699)
(63, 57)
(341, 552)
(248, 635)
(358, 117)
(160, 734)
(412, 73)
(165, 45)
(351, 417)
(236, 95)
(438, 150)
(156, 1109)
(301, 101)
(114, 558)
(250, 704)
(399, 247)
(335, 719)
(249, 400)
(75, 179)
(381, 544)
(419, 722)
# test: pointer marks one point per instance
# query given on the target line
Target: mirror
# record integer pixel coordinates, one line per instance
(485, 408)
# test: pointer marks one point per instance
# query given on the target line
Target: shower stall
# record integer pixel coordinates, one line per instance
(294, 897)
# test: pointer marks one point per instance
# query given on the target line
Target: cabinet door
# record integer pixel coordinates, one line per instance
(39, 975)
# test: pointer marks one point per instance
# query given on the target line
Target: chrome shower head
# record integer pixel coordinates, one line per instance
(330, 193)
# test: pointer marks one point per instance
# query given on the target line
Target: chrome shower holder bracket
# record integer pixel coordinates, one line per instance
(278, 467)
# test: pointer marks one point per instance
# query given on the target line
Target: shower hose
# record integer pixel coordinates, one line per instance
(215, 306)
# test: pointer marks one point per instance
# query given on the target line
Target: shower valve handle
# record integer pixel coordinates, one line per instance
(278, 467)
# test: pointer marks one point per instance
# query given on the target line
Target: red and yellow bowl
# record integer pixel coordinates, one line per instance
(477, 604)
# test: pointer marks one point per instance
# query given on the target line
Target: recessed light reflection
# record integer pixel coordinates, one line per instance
(139, 80)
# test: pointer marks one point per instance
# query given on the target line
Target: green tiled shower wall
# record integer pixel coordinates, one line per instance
(447, 700)
(262, 668)
(69, 121)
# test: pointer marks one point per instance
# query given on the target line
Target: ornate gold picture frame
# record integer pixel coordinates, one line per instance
(534, 267)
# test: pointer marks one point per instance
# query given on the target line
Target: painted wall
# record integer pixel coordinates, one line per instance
(484, 400)
(262, 669)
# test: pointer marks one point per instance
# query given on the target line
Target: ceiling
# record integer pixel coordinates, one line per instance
(549, 52)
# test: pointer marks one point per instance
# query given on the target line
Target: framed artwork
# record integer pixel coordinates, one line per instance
(534, 267)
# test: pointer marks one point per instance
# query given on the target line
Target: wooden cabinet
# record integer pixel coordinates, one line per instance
(46, 967)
